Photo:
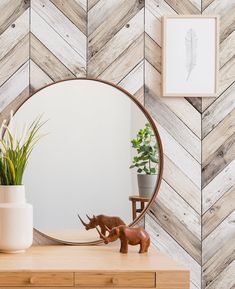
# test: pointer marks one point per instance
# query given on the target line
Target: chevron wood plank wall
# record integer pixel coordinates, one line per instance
(42, 41)
(218, 161)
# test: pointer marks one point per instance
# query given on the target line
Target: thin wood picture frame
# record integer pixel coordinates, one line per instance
(190, 65)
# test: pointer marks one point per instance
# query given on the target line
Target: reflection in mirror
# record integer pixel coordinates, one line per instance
(95, 132)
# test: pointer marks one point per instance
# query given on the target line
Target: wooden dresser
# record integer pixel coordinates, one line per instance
(90, 267)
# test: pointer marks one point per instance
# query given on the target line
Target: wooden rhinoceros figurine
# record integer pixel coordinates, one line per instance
(127, 235)
(104, 222)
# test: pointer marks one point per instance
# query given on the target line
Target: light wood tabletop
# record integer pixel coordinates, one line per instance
(97, 266)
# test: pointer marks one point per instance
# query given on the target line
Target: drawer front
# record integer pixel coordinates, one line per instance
(113, 279)
(34, 279)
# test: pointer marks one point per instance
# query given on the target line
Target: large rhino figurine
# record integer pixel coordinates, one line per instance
(104, 222)
(127, 235)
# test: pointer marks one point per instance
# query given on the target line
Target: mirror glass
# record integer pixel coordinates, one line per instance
(82, 164)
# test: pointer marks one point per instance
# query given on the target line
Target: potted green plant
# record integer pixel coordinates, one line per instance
(146, 161)
(16, 216)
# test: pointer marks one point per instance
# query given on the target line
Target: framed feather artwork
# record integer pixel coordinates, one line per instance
(190, 50)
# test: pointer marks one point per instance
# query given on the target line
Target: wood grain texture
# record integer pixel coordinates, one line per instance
(218, 146)
(120, 41)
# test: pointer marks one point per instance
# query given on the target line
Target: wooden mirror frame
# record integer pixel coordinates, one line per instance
(15, 107)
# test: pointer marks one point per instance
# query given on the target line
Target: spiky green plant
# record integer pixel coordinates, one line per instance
(146, 160)
(14, 152)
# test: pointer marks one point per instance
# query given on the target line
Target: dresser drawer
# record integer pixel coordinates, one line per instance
(34, 279)
(113, 279)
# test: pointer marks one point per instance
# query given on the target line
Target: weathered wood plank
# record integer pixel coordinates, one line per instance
(92, 3)
(125, 62)
(10, 11)
(179, 220)
(206, 3)
(60, 48)
(179, 106)
(61, 24)
(38, 78)
(218, 262)
(218, 160)
(218, 238)
(159, 8)
(171, 224)
(226, 53)
(225, 279)
(98, 12)
(14, 86)
(196, 102)
(103, 31)
(134, 81)
(226, 10)
(153, 52)
(218, 110)
(177, 129)
(181, 210)
(153, 27)
(182, 184)
(14, 59)
(218, 186)
(14, 33)
(6, 112)
(177, 154)
(163, 241)
(218, 136)
(226, 79)
(123, 39)
(218, 212)
(184, 6)
(75, 11)
(47, 61)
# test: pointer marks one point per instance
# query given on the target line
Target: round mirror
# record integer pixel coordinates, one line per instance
(100, 160)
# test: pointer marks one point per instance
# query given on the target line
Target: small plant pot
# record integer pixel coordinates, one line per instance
(146, 184)
(16, 220)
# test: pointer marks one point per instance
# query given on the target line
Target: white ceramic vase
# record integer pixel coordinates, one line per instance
(16, 220)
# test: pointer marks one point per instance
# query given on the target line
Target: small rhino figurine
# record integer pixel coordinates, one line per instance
(104, 222)
(127, 235)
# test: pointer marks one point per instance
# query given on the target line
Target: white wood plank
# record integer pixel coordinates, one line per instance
(14, 86)
(182, 134)
(60, 48)
(182, 184)
(125, 62)
(111, 25)
(123, 39)
(180, 106)
(160, 8)
(226, 52)
(218, 110)
(38, 78)
(185, 214)
(225, 279)
(61, 24)
(82, 3)
(218, 238)
(175, 152)
(153, 27)
(97, 12)
(134, 81)
(14, 59)
(162, 240)
(218, 136)
(218, 186)
(14, 33)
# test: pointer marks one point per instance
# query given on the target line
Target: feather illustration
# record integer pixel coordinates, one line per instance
(191, 51)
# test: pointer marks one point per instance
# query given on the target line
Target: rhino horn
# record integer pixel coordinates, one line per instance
(82, 221)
